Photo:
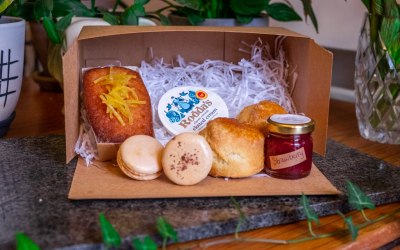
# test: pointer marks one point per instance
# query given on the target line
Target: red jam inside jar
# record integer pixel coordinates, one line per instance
(289, 146)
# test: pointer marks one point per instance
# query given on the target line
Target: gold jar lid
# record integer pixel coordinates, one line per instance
(290, 124)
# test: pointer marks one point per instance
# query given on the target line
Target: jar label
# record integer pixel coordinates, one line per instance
(288, 160)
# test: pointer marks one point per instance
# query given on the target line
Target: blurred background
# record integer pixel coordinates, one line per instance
(339, 21)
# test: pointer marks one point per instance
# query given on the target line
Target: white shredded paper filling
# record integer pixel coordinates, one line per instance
(262, 77)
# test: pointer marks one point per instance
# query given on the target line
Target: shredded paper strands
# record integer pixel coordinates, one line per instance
(262, 77)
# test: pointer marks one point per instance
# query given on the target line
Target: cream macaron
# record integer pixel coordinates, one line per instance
(187, 159)
(139, 157)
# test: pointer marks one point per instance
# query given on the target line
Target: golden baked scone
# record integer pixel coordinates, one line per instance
(258, 114)
(117, 104)
(238, 149)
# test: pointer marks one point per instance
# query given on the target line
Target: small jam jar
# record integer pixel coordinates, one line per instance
(289, 146)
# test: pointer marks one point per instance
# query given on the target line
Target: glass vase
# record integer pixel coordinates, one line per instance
(377, 86)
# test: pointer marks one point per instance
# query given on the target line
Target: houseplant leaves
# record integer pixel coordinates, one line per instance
(4, 5)
(357, 198)
(110, 236)
(310, 213)
(282, 12)
(166, 230)
(350, 225)
(25, 243)
(144, 244)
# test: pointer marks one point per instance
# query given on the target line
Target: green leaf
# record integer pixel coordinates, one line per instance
(25, 243)
(131, 15)
(4, 5)
(64, 22)
(141, 2)
(308, 210)
(40, 11)
(164, 19)
(23, 10)
(394, 88)
(350, 226)
(249, 8)
(377, 7)
(244, 19)
(390, 8)
(110, 236)
(64, 7)
(212, 9)
(129, 18)
(309, 12)
(390, 34)
(51, 30)
(192, 4)
(110, 18)
(282, 12)
(357, 198)
(193, 16)
(48, 5)
(166, 230)
(146, 244)
(54, 61)
(367, 4)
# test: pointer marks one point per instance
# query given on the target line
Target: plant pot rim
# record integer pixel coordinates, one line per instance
(260, 21)
(11, 21)
(220, 18)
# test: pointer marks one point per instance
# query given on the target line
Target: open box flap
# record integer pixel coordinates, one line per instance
(103, 31)
(71, 99)
(320, 75)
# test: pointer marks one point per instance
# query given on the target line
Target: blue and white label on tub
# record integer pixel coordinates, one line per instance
(188, 109)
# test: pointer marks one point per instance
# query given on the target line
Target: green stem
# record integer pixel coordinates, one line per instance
(367, 223)
(317, 236)
(169, 3)
(162, 9)
(92, 5)
(310, 228)
(115, 6)
(237, 229)
(238, 239)
(164, 244)
(364, 215)
(262, 240)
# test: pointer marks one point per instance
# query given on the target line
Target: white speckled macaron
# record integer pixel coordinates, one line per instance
(187, 159)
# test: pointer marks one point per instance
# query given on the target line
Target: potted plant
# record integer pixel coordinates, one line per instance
(12, 44)
(50, 19)
(238, 12)
(377, 79)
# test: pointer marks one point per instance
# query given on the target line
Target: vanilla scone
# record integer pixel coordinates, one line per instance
(238, 149)
(187, 159)
(117, 104)
(258, 114)
(139, 157)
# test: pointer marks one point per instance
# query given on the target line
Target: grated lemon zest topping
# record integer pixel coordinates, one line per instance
(119, 97)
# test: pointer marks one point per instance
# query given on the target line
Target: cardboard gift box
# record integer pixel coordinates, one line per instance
(131, 44)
